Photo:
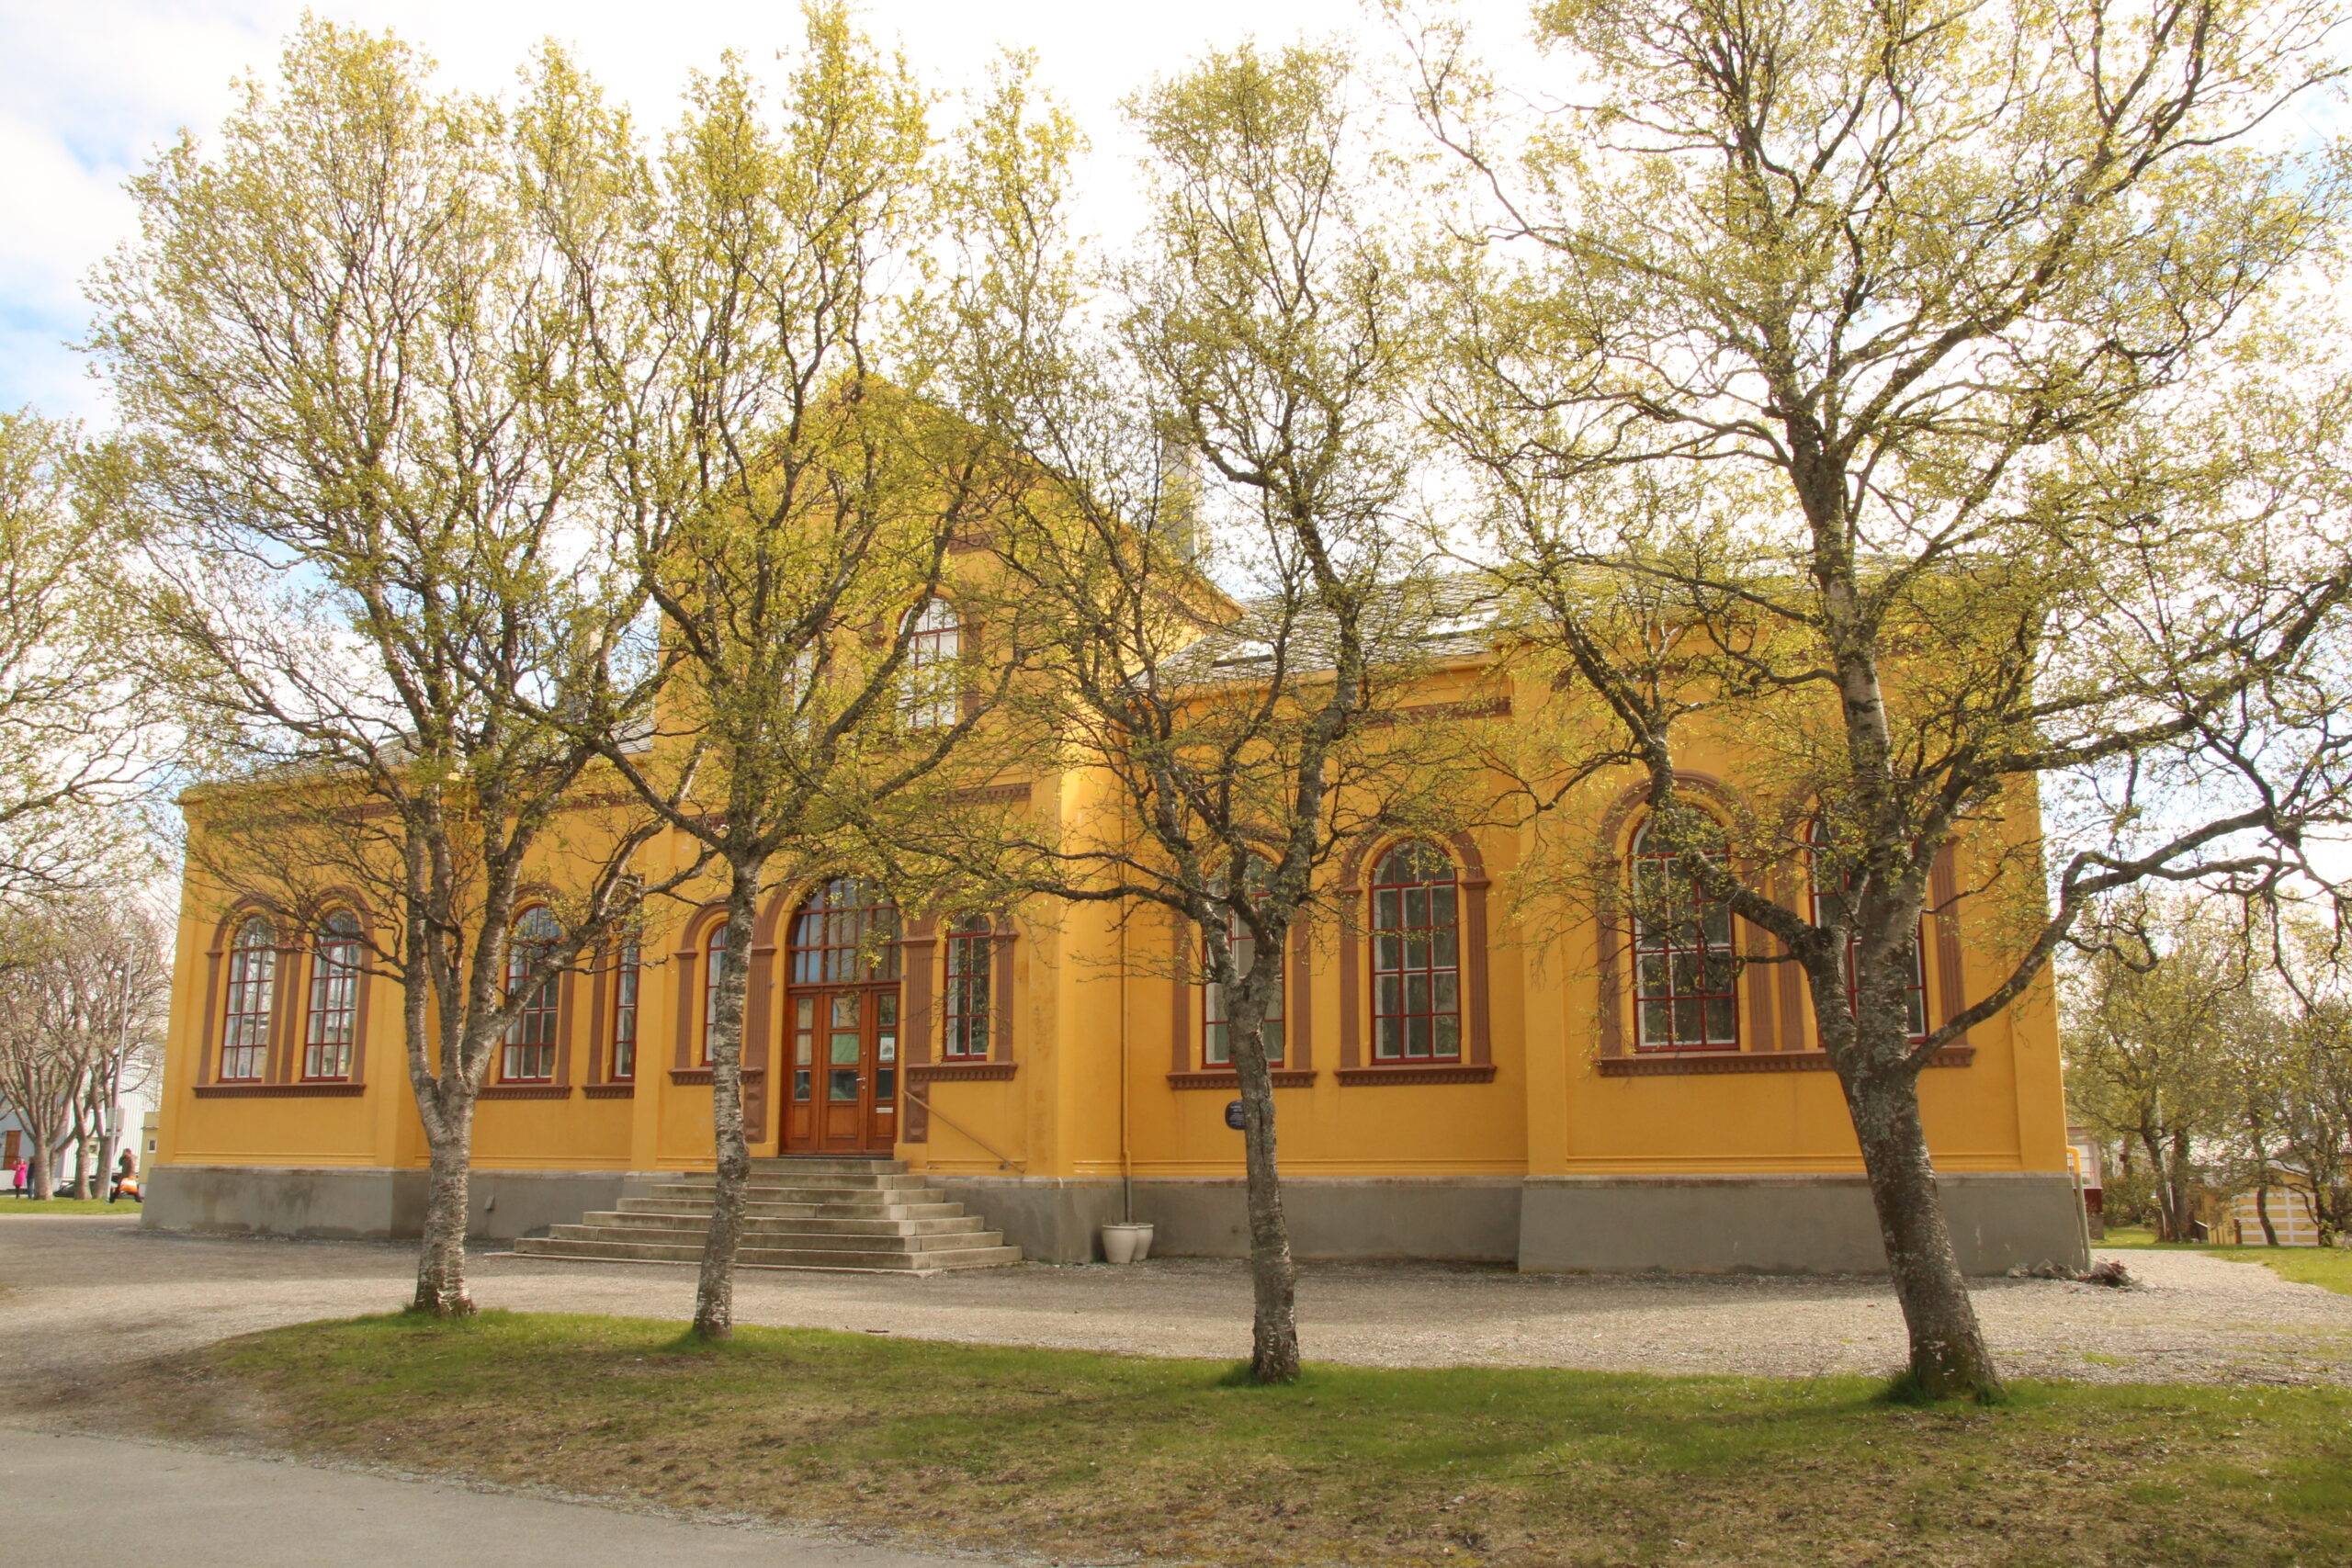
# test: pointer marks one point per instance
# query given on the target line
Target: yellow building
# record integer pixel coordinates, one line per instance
(1451, 1085)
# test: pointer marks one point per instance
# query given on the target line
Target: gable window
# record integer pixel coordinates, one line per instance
(334, 998)
(970, 946)
(933, 666)
(1415, 956)
(624, 976)
(1829, 907)
(1685, 976)
(252, 988)
(529, 1056)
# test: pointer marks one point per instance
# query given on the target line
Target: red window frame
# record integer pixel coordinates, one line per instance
(625, 972)
(846, 934)
(933, 689)
(252, 997)
(714, 954)
(1416, 900)
(1817, 844)
(1217, 1046)
(1686, 972)
(529, 1056)
(333, 1013)
(971, 953)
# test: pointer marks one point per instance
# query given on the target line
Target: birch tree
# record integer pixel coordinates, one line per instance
(1936, 403)
(349, 347)
(805, 495)
(1245, 423)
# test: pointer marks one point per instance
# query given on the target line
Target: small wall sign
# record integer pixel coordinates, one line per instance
(1236, 1116)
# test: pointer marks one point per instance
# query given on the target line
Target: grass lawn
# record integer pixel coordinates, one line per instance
(2327, 1266)
(9, 1205)
(1094, 1458)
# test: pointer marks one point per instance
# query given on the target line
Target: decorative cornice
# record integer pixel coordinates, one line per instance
(961, 1072)
(702, 1075)
(1446, 1072)
(1224, 1077)
(280, 1090)
(608, 1091)
(525, 1092)
(1673, 1063)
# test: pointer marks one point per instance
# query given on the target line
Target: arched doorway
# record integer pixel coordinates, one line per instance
(841, 1023)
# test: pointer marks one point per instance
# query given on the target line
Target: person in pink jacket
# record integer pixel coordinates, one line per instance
(19, 1176)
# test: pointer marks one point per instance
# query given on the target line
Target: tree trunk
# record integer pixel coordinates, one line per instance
(1273, 1276)
(2177, 1181)
(40, 1172)
(441, 1259)
(1948, 1359)
(715, 1289)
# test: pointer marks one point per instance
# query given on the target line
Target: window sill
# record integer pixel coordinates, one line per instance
(1224, 1077)
(525, 1092)
(1419, 1072)
(279, 1090)
(608, 1091)
(961, 1072)
(1665, 1064)
(702, 1075)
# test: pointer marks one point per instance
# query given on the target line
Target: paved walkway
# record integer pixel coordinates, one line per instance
(188, 1509)
(82, 1294)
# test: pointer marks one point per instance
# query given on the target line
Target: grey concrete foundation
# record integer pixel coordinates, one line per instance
(1451, 1219)
(371, 1203)
(1781, 1225)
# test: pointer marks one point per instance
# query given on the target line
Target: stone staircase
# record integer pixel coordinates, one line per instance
(864, 1214)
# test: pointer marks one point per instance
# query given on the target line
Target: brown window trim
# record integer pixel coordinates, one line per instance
(964, 1069)
(1415, 1072)
(1662, 1064)
(1225, 1078)
(702, 1075)
(245, 1088)
(525, 1092)
(624, 1090)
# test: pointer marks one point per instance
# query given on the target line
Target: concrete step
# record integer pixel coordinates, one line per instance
(911, 1191)
(779, 1241)
(955, 1224)
(831, 1163)
(798, 1176)
(941, 1210)
(924, 1262)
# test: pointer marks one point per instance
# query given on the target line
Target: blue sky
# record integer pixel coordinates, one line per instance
(89, 88)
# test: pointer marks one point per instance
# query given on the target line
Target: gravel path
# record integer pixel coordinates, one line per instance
(83, 1295)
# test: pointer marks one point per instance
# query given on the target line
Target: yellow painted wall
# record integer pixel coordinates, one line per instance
(1079, 1014)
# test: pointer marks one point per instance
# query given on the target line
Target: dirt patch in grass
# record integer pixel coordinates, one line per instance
(1092, 1457)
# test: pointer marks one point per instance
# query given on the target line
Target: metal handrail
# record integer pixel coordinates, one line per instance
(1003, 1161)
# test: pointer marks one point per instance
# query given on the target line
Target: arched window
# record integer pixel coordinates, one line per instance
(970, 946)
(847, 932)
(934, 666)
(1828, 908)
(334, 998)
(624, 976)
(1686, 992)
(714, 954)
(1415, 956)
(530, 1039)
(253, 991)
(1217, 1044)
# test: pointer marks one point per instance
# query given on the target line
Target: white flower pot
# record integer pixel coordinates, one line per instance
(1126, 1244)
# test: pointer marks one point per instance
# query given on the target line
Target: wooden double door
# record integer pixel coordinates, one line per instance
(842, 1086)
